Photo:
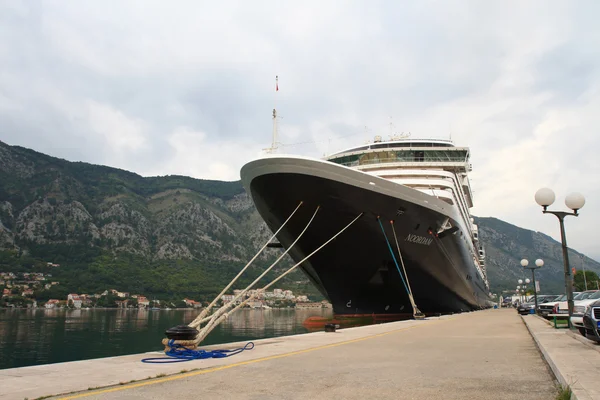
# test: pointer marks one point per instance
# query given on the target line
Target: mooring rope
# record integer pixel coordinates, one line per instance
(416, 310)
(180, 353)
(393, 256)
(220, 312)
(216, 319)
(214, 323)
(204, 312)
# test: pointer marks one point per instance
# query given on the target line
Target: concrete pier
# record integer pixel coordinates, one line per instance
(482, 355)
(574, 359)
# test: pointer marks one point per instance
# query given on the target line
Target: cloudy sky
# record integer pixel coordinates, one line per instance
(187, 87)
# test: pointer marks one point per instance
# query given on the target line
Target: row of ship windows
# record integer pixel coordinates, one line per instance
(392, 145)
(402, 156)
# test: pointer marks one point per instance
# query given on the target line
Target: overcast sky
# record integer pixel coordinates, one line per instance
(187, 87)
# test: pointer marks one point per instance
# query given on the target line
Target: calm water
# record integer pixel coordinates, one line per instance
(32, 337)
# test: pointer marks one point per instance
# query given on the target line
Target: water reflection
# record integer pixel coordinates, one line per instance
(40, 336)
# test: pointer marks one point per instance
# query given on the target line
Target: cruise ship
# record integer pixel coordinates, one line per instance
(410, 245)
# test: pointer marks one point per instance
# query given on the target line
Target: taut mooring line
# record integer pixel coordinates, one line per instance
(213, 323)
(204, 312)
(211, 319)
(416, 312)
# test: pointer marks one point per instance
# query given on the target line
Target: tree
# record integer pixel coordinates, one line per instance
(579, 282)
(107, 301)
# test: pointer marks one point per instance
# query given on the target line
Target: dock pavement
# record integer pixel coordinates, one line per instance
(480, 355)
(574, 360)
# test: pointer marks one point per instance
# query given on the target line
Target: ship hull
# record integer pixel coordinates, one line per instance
(357, 271)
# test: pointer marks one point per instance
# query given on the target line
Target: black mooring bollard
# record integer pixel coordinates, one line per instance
(181, 332)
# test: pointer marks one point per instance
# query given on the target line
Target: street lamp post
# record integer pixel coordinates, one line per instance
(575, 201)
(583, 267)
(522, 289)
(538, 264)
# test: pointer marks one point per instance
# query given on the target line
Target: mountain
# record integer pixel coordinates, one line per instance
(168, 236)
(175, 236)
(506, 245)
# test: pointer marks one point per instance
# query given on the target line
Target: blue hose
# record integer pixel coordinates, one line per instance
(179, 353)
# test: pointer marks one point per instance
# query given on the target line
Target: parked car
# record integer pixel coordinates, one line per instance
(588, 297)
(562, 305)
(549, 307)
(525, 308)
(585, 295)
(591, 321)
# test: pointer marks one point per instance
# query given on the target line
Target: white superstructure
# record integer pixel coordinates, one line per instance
(432, 166)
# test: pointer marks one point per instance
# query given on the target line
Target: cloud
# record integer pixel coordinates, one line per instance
(121, 134)
(187, 88)
(193, 155)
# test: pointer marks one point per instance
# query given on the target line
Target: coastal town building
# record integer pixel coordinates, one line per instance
(26, 284)
(52, 303)
(227, 298)
(192, 303)
(122, 303)
(143, 301)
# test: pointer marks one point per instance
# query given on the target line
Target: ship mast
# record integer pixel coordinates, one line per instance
(274, 143)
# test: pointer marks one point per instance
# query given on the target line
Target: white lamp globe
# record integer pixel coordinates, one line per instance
(527, 280)
(524, 262)
(518, 287)
(575, 201)
(520, 281)
(539, 262)
(545, 197)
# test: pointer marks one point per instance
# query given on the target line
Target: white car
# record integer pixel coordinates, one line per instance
(551, 307)
(580, 306)
(562, 307)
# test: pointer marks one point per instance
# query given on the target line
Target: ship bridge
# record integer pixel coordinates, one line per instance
(419, 153)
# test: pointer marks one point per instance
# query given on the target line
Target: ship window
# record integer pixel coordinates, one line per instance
(449, 201)
(402, 156)
(346, 160)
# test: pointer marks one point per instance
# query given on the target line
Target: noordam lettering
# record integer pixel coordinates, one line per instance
(419, 239)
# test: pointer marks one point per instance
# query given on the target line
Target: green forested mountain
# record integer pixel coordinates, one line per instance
(173, 236)
(168, 236)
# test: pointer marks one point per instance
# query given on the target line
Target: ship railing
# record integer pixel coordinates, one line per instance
(459, 162)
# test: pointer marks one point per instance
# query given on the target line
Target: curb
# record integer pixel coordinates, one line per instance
(558, 375)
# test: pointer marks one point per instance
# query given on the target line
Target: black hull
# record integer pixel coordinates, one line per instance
(356, 271)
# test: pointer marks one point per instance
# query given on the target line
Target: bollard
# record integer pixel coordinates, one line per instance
(181, 332)
(331, 327)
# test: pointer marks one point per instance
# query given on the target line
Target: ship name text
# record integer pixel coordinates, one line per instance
(419, 239)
